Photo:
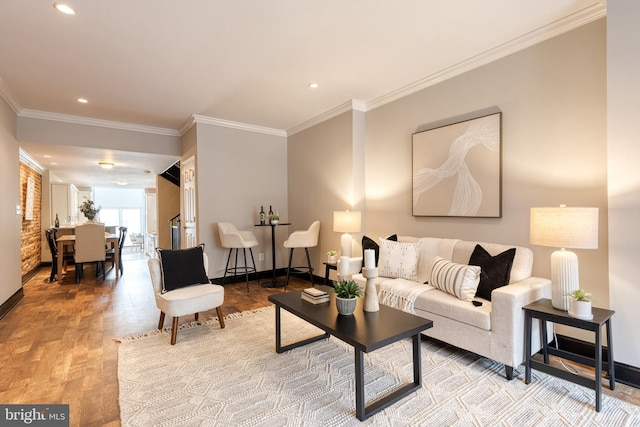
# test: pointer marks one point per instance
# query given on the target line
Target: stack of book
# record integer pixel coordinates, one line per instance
(315, 296)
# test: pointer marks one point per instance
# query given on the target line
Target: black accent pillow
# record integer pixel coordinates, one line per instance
(368, 243)
(496, 270)
(182, 267)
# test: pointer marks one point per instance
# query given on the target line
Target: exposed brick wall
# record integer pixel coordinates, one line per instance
(31, 239)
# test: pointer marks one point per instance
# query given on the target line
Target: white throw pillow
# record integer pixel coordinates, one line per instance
(455, 279)
(398, 260)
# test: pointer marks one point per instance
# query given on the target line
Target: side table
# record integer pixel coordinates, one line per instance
(328, 267)
(543, 310)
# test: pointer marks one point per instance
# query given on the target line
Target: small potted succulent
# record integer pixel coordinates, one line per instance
(580, 304)
(346, 293)
(332, 257)
(273, 219)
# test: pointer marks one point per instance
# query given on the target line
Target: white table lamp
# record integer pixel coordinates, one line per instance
(564, 227)
(346, 222)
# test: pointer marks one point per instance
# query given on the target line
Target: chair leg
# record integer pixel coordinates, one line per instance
(220, 317)
(246, 270)
(288, 269)
(197, 316)
(161, 321)
(78, 272)
(54, 269)
(226, 268)
(255, 270)
(309, 264)
(174, 330)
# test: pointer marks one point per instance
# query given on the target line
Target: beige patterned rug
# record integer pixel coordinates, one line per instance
(233, 377)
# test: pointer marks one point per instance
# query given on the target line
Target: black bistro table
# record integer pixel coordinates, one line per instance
(273, 283)
(364, 331)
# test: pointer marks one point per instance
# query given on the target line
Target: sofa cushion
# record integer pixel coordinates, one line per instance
(458, 280)
(369, 243)
(522, 262)
(446, 305)
(495, 269)
(398, 260)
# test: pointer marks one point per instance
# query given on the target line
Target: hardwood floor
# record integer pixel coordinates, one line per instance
(57, 344)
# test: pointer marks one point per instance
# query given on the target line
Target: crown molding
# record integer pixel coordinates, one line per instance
(30, 161)
(79, 120)
(6, 95)
(196, 118)
(582, 17)
(351, 105)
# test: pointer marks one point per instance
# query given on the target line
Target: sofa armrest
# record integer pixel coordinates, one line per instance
(507, 315)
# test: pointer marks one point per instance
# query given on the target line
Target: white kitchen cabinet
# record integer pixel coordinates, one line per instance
(64, 203)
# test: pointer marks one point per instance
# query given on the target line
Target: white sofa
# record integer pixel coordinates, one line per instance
(494, 329)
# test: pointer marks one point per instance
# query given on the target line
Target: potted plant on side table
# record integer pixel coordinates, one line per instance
(580, 304)
(332, 257)
(274, 219)
(346, 293)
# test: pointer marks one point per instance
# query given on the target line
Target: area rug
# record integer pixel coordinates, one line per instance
(233, 377)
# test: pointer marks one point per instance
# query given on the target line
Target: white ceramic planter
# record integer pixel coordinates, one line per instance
(346, 306)
(332, 259)
(580, 309)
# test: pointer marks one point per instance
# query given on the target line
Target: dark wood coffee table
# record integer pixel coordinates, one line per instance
(364, 331)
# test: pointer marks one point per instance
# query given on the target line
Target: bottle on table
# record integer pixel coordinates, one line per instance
(57, 222)
(270, 212)
(262, 217)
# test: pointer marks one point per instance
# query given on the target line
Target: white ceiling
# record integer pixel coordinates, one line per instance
(158, 62)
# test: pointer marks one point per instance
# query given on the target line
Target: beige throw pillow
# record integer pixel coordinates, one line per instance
(398, 260)
(455, 279)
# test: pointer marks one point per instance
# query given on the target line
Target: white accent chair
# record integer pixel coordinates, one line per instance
(302, 239)
(183, 301)
(89, 247)
(231, 238)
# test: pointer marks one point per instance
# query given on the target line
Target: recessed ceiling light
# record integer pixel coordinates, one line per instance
(121, 182)
(106, 165)
(64, 8)
(314, 85)
(82, 100)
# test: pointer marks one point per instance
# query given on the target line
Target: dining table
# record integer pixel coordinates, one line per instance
(70, 240)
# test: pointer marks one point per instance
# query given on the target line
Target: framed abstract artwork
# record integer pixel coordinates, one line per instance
(457, 169)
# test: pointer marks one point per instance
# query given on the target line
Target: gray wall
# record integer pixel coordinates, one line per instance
(237, 171)
(623, 89)
(10, 196)
(553, 100)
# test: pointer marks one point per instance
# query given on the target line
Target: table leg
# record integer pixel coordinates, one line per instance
(273, 283)
(545, 341)
(60, 258)
(527, 343)
(612, 365)
(598, 363)
(278, 331)
(359, 362)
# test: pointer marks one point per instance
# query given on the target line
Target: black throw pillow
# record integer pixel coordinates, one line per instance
(496, 270)
(182, 267)
(368, 243)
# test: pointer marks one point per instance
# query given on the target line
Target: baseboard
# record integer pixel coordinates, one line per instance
(625, 374)
(27, 276)
(11, 302)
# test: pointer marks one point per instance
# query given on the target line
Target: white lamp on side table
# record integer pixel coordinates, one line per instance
(564, 227)
(346, 222)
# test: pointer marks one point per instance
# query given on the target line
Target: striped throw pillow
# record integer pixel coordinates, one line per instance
(458, 280)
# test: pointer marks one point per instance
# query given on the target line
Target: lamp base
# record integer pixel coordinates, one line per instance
(564, 277)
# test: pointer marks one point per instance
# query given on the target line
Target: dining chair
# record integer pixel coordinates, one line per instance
(89, 247)
(181, 286)
(110, 255)
(302, 239)
(231, 238)
(51, 234)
